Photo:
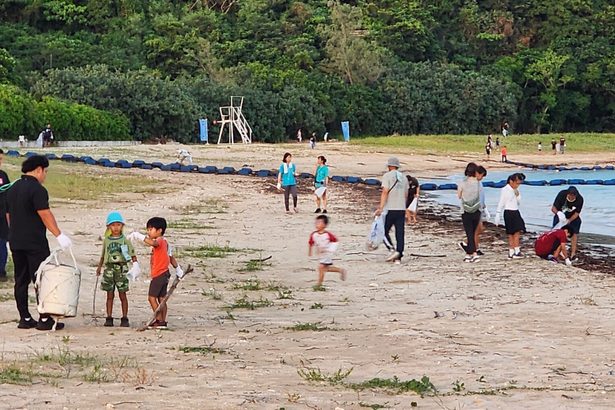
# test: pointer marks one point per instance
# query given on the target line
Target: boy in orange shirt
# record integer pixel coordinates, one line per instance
(159, 267)
(504, 153)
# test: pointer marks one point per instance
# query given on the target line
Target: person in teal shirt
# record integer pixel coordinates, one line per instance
(321, 180)
(288, 182)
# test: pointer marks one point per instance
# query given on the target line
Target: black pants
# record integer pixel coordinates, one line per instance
(288, 190)
(470, 223)
(398, 220)
(26, 264)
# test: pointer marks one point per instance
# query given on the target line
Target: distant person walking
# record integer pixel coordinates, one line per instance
(468, 192)
(29, 219)
(505, 130)
(510, 197)
(488, 150)
(562, 144)
(321, 181)
(566, 209)
(287, 181)
(553, 146)
(412, 203)
(504, 153)
(393, 202)
(299, 137)
(539, 146)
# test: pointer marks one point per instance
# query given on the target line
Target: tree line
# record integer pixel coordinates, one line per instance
(387, 66)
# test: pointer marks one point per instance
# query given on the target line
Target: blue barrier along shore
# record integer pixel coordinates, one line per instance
(176, 167)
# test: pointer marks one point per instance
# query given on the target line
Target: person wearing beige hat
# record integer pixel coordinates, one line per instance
(393, 202)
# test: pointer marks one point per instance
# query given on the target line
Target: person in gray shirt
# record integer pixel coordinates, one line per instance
(393, 202)
(468, 191)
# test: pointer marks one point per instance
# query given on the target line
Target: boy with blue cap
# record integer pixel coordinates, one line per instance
(116, 254)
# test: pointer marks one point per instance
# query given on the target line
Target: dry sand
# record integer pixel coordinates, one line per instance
(517, 334)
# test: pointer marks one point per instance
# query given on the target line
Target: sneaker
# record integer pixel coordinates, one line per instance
(108, 322)
(296, 210)
(574, 258)
(463, 247)
(393, 257)
(27, 323)
(468, 258)
(552, 258)
(157, 324)
(518, 255)
(162, 325)
(317, 211)
(480, 253)
(474, 258)
(324, 211)
(47, 324)
(124, 322)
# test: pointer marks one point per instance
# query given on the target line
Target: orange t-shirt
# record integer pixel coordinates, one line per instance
(504, 151)
(160, 260)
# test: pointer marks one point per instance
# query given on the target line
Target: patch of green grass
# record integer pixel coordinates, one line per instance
(458, 386)
(316, 306)
(375, 406)
(212, 293)
(209, 251)
(188, 224)
(422, 386)
(319, 288)
(516, 144)
(314, 374)
(245, 303)
(5, 297)
(204, 350)
(285, 294)
(64, 357)
(12, 374)
(254, 265)
(252, 284)
(207, 206)
(316, 327)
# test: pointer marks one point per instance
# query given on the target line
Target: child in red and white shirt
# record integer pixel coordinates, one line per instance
(326, 244)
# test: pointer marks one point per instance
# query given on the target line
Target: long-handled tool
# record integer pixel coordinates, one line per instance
(164, 300)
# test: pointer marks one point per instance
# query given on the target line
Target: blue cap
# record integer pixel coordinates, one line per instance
(115, 216)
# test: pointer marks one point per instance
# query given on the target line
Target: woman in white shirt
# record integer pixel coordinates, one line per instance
(510, 197)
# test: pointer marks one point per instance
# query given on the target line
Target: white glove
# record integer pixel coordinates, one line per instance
(134, 272)
(568, 262)
(179, 272)
(136, 236)
(487, 213)
(561, 216)
(279, 186)
(64, 241)
(498, 219)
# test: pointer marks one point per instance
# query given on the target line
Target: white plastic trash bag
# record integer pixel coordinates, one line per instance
(376, 235)
(319, 192)
(57, 286)
(39, 140)
(413, 205)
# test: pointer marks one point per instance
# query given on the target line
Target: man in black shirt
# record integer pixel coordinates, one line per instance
(4, 227)
(29, 218)
(567, 207)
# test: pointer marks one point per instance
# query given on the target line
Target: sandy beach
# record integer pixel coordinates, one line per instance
(496, 334)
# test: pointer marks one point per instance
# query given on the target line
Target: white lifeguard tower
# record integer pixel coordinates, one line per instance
(233, 117)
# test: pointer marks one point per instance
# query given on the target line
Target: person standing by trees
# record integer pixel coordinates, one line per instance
(393, 201)
(287, 179)
(47, 136)
(562, 144)
(321, 180)
(29, 217)
(553, 145)
(4, 227)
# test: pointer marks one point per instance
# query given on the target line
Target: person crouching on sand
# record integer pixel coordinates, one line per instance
(551, 245)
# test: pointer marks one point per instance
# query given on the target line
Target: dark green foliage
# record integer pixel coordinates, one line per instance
(21, 114)
(405, 66)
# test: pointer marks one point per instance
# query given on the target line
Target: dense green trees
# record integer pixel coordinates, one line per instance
(387, 66)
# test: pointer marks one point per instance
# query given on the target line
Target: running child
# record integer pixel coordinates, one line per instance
(117, 252)
(510, 197)
(326, 244)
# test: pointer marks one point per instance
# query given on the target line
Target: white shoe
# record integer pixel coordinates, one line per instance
(392, 257)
